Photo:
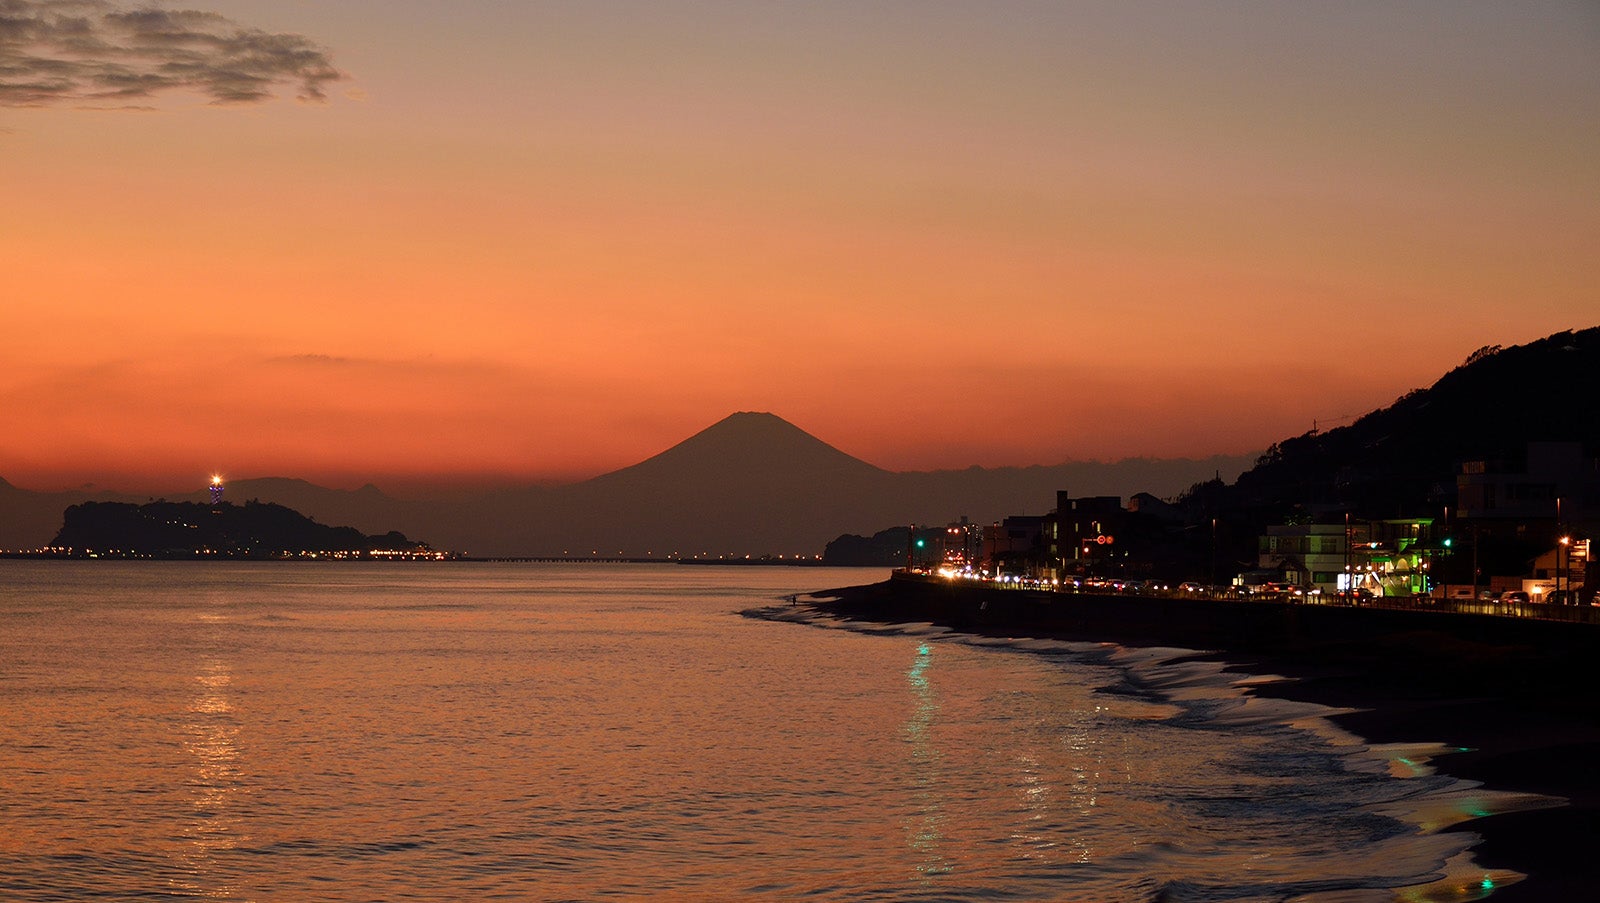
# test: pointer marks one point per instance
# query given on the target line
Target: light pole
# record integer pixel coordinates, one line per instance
(1564, 551)
(1349, 556)
(1443, 543)
(1213, 582)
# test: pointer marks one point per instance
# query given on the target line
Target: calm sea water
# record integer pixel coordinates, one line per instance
(588, 732)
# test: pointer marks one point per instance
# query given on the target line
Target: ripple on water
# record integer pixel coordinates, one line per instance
(553, 732)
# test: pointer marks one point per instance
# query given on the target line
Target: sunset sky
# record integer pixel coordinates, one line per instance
(416, 242)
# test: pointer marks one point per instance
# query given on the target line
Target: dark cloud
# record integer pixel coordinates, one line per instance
(98, 52)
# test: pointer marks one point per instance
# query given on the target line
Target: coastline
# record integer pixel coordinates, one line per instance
(1513, 739)
(1518, 699)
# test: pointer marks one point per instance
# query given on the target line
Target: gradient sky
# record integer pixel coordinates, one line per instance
(530, 241)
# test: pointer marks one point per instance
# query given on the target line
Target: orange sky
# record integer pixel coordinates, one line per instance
(537, 242)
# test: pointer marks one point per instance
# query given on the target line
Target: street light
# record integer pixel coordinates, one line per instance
(1563, 551)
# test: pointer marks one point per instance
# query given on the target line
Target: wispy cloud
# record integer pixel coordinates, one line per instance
(100, 53)
(426, 368)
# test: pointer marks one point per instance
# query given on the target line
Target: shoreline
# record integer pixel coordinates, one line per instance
(1507, 741)
(1520, 697)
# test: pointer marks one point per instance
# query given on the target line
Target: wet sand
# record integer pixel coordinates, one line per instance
(1522, 697)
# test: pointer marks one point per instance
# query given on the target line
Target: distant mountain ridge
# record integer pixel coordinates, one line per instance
(752, 483)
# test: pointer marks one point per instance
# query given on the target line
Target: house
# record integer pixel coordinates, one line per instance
(1080, 535)
(1386, 557)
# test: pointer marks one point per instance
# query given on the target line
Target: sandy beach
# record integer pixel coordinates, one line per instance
(1515, 699)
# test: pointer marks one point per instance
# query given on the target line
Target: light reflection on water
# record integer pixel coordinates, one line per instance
(923, 831)
(290, 732)
(210, 734)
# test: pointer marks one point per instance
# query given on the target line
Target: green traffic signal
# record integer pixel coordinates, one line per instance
(1448, 542)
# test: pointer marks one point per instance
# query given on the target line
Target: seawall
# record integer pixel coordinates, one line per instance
(1450, 652)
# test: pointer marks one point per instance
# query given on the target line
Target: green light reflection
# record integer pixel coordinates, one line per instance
(923, 832)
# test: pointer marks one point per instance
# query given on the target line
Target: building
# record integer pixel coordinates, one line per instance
(1384, 557)
(1015, 546)
(1562, 571)
(1081, 534)
(1308, 555)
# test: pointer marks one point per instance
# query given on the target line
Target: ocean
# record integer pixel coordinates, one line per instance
(551, 732)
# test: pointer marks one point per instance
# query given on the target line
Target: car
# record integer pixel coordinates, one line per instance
(1515, 597)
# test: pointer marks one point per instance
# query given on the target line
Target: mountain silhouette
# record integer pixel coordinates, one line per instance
(1402, 459)
(753, 483)
(749, 484)
(746, 448)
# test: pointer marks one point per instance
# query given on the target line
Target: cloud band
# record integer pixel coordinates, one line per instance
(93, 51)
